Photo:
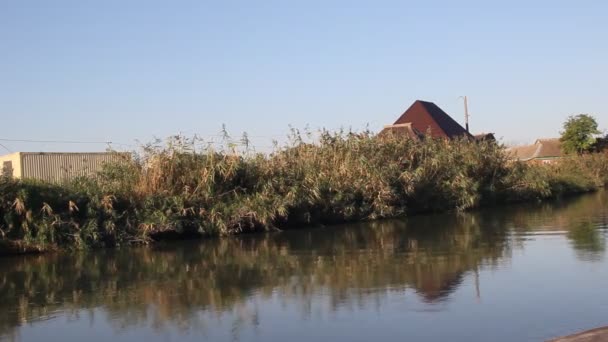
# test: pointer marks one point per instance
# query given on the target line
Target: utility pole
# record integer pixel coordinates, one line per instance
(466, 113)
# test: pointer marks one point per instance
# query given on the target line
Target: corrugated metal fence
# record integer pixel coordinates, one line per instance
(61, 167)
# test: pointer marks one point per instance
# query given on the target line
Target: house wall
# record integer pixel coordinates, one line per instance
(61, 167)
(15, 162)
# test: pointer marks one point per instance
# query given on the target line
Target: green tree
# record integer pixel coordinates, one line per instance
(577, 136)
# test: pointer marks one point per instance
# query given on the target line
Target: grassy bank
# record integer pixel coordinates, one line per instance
(179, 189)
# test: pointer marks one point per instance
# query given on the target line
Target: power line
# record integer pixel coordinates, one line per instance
(227, 143)
(6, 148)
(58, 141)
(110, 142)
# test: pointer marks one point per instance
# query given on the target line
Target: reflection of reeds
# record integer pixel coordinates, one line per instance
(179, 190)
(588, 241)
(354, 265)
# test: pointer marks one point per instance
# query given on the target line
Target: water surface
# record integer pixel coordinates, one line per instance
(518, 273)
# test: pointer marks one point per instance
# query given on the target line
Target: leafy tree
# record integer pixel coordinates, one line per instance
(577, 136)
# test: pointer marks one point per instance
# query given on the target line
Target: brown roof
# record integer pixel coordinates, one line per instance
(526, 152)
(425, 116)
(401, 130)
(542, 148)
(549, 148)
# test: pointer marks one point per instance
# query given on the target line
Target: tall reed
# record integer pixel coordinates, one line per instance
(181, 188)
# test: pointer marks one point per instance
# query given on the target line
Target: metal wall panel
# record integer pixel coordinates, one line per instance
(62, 167)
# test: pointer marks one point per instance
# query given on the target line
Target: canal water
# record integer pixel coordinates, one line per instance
(517, 273)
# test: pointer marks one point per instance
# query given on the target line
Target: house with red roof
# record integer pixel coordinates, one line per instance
(424, 118)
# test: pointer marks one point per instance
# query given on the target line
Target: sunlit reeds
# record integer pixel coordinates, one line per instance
(180, 188)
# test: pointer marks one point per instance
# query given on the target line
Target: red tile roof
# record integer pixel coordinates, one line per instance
(427, 116)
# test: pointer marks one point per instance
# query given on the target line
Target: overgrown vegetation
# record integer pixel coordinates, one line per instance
(578, 134)
(181, 189)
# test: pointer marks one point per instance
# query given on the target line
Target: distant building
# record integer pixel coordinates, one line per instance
(405, 130)
(485, 137)
(427, 117)
(542, 151)
(424, 118)
(56, 167)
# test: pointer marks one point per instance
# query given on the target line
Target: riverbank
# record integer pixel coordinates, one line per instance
(594, 335)
(413, 271)
(179, 190)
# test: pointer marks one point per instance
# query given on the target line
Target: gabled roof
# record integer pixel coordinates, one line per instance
(549, 148)
(541, 149)
(425, 116)
(525, 152)
(401, 130)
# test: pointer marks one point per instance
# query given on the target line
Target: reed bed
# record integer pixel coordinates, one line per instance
(182, 189)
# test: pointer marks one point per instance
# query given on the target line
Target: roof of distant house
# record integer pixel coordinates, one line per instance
(541, 149)
(401, 130)
(427, 116)
(484, 136)
(549, 148)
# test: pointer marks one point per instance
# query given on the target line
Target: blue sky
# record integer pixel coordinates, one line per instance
(133, 70)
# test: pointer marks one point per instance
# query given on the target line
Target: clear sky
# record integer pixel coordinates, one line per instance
(128, 69)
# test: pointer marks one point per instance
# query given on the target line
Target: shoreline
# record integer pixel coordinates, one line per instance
(16, 248)
(593, 335)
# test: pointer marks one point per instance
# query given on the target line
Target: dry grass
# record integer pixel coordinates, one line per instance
(180, 189)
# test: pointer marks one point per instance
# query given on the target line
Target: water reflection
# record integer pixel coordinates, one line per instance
(189, 285)
(588, 241)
